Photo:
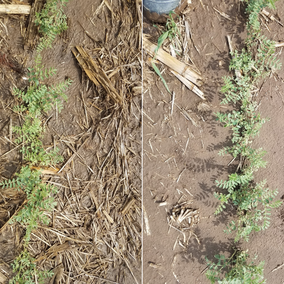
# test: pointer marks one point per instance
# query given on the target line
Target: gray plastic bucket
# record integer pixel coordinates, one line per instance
(161, 6)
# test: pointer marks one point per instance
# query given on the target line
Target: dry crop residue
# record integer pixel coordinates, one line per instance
(95, 231)
(181, 161)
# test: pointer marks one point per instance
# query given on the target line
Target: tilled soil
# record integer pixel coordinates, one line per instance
(181, 161)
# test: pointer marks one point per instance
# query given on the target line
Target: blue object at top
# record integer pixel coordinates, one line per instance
(160, 6)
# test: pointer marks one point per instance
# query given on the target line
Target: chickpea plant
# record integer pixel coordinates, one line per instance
(253, 200)
(37, 99)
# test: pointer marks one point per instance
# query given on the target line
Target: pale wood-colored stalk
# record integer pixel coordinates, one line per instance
(15, 9)
(189, 85)
(178, 66)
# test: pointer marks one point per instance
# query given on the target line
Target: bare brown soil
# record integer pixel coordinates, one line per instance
(181, 161)
(94, 233)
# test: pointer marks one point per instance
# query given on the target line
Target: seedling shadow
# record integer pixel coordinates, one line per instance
(207, 248)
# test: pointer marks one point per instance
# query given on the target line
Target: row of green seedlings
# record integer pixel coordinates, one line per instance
(253, 200)
(36, 100)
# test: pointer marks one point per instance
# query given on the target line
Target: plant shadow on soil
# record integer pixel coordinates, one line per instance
(218, 146)
(200, 166)
(219, 61)
(207, 248)
(237, 24)
(204, 165)
(203, 172)
(207, 165)
(212, 125)
(205, 196)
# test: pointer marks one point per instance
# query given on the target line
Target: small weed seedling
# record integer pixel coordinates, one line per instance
(172, 33)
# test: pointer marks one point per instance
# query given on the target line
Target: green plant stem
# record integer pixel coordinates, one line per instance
(172, 33)
(39, 98)
(253, 200)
